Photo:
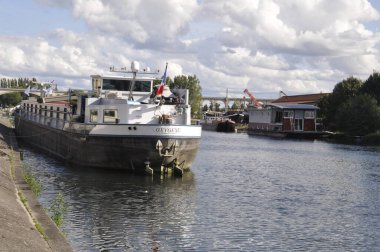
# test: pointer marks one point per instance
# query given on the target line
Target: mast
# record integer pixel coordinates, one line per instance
(135, 67)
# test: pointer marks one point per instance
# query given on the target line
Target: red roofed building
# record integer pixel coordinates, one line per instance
(290, 116)
(311, 99)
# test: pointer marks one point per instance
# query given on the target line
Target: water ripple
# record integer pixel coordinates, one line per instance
(244, 194)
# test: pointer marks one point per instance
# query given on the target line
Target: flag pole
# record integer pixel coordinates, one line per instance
(162, 85)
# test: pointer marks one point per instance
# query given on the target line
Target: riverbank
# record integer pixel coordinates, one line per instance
(367, 140)
(25, 224)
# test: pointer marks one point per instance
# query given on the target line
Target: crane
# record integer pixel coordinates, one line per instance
(254, 101)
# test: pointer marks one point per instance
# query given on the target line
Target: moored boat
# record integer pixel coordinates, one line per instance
(217, 121)
(123, 123)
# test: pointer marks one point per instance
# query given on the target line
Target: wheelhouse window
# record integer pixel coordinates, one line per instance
(309, 114)
(93, 115)
(125, 85)
(142, 86)
(120, 85)
(109, 116)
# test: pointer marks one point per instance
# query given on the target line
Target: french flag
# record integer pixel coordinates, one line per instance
(163, 81)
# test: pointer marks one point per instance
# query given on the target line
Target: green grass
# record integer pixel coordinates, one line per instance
(36, 189)
(33, 183)
(58, 209)
(23, 199)
(40, 229)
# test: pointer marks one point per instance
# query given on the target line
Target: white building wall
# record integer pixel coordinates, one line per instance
(260, 115)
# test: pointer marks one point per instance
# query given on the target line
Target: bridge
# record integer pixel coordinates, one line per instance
(211, 99)
(21, 90)
(15, 90)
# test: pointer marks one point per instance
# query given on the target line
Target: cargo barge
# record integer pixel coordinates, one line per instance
(218, 122)
(123, 123)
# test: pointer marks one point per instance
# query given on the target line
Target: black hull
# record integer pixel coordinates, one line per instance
(228, 127)
(110, 152)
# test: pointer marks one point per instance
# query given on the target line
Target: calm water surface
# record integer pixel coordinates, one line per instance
(244, 194)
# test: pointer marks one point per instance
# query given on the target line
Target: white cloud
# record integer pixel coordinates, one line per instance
(11, 56)
(266, 45)
(142, 22)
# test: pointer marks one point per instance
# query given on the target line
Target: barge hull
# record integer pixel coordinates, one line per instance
(111, 152)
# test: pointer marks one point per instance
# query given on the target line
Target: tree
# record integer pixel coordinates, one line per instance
(359, 115)
(211, 107)
(342, 92)
(195, 92)
(10, 99)
(205, 108)
(235, 105)
(372, 86)
(217, 106)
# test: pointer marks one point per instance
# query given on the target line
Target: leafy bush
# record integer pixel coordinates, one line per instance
(359, 116)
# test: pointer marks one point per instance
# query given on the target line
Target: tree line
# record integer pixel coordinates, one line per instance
(16, 82)
(216, 106)
(353, 107)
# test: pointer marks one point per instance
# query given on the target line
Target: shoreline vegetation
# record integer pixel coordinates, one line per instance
(352, 110)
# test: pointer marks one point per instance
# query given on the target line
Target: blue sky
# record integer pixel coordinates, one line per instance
(27, 17)
(375, 24)
(263, 45)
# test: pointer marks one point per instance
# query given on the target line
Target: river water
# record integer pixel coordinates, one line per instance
(244, 193)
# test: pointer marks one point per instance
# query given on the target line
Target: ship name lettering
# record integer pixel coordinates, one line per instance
(167, 130)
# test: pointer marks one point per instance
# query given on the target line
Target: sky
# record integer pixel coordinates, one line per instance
(267, 46)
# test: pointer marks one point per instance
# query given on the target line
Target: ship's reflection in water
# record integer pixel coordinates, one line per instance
(244, 194)
(118, 211)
